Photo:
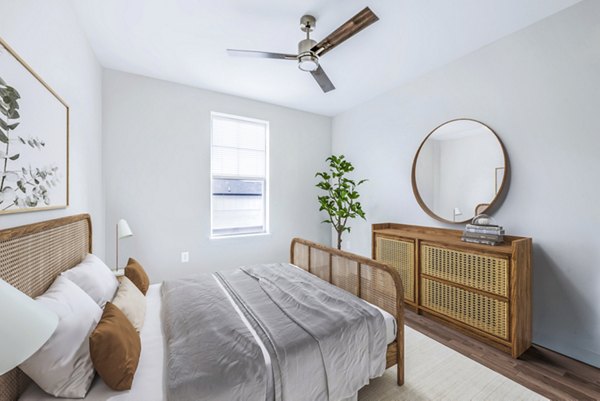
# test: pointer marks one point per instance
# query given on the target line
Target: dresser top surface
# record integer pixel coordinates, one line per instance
(443, 236)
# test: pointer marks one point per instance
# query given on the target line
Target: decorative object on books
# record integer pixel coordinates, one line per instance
(483, 230)
(479, 209)
(34, 139)
(460, 166)
(341, 198)
(483, 291)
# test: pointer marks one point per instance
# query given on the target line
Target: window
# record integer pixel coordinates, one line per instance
(239, 172)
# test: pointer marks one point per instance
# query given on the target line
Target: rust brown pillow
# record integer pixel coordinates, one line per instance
(136, 273)
(115, 349)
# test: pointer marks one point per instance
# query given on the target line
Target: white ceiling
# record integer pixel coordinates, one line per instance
(184, 41)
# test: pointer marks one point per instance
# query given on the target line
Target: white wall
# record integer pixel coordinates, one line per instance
(47, 36)
(539, 90)
(157, 169)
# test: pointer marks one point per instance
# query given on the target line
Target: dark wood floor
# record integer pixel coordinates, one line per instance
(546, 372)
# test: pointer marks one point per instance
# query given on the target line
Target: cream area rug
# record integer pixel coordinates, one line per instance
(438, 373)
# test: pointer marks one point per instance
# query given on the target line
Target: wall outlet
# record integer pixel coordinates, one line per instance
(185, 257)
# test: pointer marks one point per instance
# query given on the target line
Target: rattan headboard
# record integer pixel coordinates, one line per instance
(31, 257)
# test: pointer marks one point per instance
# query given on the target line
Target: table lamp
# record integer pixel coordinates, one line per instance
(123, 231)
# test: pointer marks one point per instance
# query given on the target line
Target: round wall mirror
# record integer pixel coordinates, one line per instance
(459, 171)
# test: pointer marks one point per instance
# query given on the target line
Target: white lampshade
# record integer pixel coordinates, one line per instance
(25, 325)
(123, 229)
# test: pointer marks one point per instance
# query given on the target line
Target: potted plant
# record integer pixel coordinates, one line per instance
(341, 198)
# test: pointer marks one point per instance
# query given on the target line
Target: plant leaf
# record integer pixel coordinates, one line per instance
(14, 157)
(21, 186)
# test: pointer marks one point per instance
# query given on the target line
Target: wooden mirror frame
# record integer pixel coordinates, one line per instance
(497, 197)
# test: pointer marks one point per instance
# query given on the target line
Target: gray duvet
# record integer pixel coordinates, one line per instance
(268, 332)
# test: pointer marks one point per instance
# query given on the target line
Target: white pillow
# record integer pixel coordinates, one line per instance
(95, 278)
(131, 302)
(63, 366)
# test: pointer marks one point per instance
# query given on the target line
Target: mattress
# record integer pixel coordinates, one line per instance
(148, 384)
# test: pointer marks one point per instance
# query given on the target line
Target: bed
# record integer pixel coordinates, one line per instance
(32, 256)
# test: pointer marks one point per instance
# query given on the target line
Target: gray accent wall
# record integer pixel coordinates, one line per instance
(157, 172)
(48, 37)
(539, 89)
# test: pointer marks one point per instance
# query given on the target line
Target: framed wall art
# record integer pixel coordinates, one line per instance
(34, 139)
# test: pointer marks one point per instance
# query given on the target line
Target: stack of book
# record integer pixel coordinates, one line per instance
(480, 234)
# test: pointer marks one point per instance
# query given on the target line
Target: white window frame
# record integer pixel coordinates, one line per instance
(267, 177)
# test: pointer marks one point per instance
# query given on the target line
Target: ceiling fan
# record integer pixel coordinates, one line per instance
(309, 51)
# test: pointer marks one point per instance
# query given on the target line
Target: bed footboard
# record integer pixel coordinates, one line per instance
(366, 278)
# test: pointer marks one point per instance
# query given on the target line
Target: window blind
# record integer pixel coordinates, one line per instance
(238, 148)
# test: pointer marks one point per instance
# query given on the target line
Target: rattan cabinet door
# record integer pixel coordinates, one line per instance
(399, 254)
(488, 314)
(483, 272)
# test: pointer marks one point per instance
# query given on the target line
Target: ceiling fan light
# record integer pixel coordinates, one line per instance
(308, 62)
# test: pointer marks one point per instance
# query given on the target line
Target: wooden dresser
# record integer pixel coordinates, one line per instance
(481, 290)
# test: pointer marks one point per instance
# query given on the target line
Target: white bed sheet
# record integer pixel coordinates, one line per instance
(390, 324)
(148, 384)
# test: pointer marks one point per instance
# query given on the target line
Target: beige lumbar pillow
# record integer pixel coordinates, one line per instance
(130, 300)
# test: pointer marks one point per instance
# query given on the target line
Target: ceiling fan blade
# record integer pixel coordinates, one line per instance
(259, 54)
(350, 28)
(322, 79)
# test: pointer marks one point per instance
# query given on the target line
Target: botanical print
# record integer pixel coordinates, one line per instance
(33, 140)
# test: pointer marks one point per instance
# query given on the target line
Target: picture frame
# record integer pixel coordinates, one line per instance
(34, 139)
